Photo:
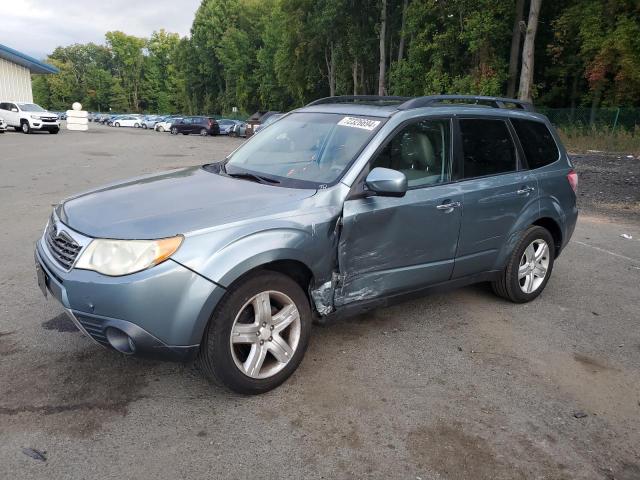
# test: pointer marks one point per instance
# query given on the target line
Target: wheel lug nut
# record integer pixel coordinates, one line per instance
(264, 324)
(271, 327)
(261, 342)
(257, 334)
(270, 338)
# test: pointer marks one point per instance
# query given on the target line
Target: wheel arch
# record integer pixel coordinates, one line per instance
(553, 228)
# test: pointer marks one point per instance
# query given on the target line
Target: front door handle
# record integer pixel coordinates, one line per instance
(449, 206)
(525, 190)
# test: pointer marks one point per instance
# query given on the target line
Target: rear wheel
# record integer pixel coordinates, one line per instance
(258, 334)
(529, 267)
(136, 125)
(174, 131)
(161, 129)
(204, 132)
(25, 127)
(144, 126)
(116, 124)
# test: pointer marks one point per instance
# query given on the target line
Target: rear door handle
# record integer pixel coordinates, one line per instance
(449, 206)
(525, 190)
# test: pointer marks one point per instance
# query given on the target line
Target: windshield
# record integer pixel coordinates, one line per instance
(305, 149)
(31, 107)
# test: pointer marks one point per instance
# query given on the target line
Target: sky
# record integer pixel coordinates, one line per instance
(37, 27)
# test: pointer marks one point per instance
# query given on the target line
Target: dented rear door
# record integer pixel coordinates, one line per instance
(392, 245)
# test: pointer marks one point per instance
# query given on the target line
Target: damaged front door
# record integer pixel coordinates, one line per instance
(392, 245)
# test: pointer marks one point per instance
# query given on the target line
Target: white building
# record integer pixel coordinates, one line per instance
(15, 74)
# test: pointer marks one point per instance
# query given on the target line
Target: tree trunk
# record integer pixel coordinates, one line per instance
(595, 103)
(516, 38)
(383, 56)
(528, 50)
(330, 59)
(405, 4)
(354, 72)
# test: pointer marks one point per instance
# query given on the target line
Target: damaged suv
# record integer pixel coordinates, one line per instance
(346, 204)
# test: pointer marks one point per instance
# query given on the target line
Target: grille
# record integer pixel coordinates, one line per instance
(62, 247)
(93, 326)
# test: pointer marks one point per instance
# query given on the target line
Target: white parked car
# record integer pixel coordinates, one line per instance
(128, 121)
(3, 125)
(165, 125)
(29, 117)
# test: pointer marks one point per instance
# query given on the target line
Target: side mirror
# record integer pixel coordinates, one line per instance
(387, 182)
(15, 110)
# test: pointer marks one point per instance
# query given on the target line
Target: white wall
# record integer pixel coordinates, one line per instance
(15, 82)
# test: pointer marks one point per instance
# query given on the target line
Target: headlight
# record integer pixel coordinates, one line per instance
(122, 257)
(35, 117)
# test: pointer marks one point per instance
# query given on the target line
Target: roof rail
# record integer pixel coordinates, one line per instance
(495, 102)
(359, 98)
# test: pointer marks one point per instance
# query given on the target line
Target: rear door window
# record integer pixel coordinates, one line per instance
(487, 147)
(538, 144)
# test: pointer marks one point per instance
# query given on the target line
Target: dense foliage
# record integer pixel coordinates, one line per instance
(278, 54)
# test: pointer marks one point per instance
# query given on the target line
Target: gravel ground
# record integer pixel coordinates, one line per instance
(609, 185)
(457, 385)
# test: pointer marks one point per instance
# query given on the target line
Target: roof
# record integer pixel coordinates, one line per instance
(36, 66)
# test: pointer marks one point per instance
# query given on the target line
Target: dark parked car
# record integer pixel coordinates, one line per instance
(201, 125)
(341, 206)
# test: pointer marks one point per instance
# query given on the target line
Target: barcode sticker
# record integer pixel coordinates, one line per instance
(355, 122)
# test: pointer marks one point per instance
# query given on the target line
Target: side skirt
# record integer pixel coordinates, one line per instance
(362, 306)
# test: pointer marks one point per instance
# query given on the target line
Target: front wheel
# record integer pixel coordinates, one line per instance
(117, 124)
(160, 129)
(144, 126)
(136, 125)
(26, 128)
(204, 132)
(529, 267)
(258, 334)
(174, 131)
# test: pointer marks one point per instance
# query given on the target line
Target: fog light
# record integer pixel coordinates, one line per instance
(120, 341)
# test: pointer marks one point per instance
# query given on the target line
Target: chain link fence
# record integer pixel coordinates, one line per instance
(585, 119)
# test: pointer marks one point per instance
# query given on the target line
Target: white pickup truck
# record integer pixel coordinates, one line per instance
(29, 117)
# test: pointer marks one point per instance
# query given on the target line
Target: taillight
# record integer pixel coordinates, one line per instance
(572, 176)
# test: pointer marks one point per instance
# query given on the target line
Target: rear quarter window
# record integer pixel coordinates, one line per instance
(538, 144)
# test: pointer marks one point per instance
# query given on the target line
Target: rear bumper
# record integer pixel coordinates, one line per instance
(159, 313)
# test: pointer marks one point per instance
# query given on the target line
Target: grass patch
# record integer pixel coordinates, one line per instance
(581, 139)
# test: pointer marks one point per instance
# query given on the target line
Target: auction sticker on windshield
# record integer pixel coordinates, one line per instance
(355, 122)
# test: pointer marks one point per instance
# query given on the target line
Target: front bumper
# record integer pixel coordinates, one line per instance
(160, 312)
(42, 125)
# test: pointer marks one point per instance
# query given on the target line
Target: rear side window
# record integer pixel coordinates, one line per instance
(487, 146)
(537, 142)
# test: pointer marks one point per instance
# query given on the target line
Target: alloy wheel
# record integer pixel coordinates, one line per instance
(534, 265)
(265, 334)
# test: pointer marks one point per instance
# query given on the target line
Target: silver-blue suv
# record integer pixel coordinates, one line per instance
(346, 204)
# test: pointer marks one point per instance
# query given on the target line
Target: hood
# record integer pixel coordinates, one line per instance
(171, 203)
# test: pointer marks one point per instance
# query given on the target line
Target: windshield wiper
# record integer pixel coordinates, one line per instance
(253, 177)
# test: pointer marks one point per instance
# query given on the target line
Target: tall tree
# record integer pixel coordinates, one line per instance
(382, 72)
(514, 56)
(526, 73)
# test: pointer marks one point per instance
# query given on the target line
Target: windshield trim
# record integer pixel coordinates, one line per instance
(289, 182)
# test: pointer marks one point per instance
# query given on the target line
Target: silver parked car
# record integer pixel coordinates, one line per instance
(344, 205)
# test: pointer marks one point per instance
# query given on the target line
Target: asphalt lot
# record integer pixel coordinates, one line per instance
(457, 385)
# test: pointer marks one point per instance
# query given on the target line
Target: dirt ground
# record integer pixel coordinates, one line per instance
(456, 385)
(609, 185)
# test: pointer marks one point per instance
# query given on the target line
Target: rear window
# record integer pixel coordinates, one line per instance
(537, 142)
(487, 147)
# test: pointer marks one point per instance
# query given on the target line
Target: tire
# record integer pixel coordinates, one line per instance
(223, 362)
(203, 132)
(160, 129)
(521, 280)
(174, 131)
(25, 127)
(116, 125)
(54, 132)
(144, 126)
(136, 125)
